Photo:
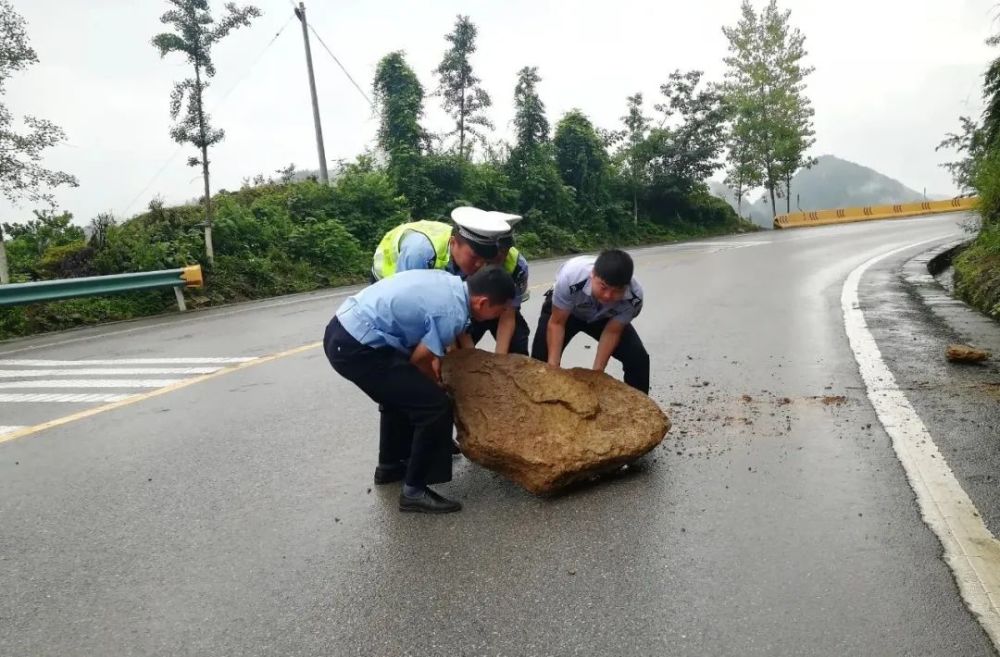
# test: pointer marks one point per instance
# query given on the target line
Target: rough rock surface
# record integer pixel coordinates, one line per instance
(960, 353)
(546, 428)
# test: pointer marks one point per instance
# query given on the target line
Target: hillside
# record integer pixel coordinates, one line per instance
(831, 183)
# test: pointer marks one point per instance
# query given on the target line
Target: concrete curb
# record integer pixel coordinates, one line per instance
(968, 324)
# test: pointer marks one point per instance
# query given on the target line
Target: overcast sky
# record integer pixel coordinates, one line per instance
(892, 76)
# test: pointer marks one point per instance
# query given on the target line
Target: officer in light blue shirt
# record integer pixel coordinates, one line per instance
(600, 297)
(389, 340)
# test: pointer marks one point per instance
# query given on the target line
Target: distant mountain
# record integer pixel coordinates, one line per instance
(758, 214)
(830, 183)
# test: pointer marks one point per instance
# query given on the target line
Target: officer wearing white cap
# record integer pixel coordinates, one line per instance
(478, 237)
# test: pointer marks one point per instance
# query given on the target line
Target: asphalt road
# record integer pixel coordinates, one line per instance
(236, 516)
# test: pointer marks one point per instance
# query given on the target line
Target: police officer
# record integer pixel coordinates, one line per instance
(599, 297)
(478, 237)
(389, 340)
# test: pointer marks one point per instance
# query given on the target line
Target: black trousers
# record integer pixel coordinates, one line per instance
(630, 351)
(518, 342)
(417, 416)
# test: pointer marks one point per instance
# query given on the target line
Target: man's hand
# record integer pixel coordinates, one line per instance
(465, 341)
(427, 362)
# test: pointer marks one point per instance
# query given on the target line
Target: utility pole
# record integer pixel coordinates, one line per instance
(4, 271)
(300, 13)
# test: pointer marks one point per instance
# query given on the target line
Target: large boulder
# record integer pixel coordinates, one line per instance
(546, 428)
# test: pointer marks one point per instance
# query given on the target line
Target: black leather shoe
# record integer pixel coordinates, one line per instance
(388, 474)
(429, 502)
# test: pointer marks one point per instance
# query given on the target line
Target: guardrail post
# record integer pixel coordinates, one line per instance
(181, 306)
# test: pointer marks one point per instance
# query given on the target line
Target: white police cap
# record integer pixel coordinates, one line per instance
(481, 226)
(511, 219)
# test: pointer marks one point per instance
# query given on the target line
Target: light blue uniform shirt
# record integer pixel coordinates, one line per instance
(416, 252)
(410, 308)
(573, 292)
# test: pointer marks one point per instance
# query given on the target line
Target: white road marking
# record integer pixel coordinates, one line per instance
(8, 429)
(39, 398)
(729, 245)
(88, 383)
(124, 371)
(972, 552)
(125, 361)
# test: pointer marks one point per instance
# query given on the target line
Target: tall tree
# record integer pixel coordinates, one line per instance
(582, 163)
(196, 32)
(686, 146)
(743, 172)
(531, 127)
(459, 88)
(970, 145)
(796, 134)
(634, 151)
(991, 93)
(400, 100)
(22, 176)
(531, 165)
(765, 79)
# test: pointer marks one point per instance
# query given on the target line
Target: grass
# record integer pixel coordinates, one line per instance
(977, 272)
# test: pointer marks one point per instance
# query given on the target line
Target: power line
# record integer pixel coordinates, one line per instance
(349, 77)
(214, 107)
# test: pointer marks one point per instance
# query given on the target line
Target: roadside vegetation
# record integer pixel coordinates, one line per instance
(579, 187)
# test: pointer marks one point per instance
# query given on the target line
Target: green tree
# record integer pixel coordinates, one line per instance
(531, 167)
(400, 100)
(686, 146)
(459, 88)
(530, 124)
(991, 93)
(970, 145)
(796, 135)
(583, 165)
(743, 172)
(765, 83)
(634, 151)
(196, 32)
(22, 176)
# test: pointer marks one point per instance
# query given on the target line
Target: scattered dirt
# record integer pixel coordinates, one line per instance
(833, 400)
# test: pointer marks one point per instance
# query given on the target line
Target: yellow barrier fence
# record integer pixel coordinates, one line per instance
(873, 212)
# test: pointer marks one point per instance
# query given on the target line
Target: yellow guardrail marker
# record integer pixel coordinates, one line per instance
(874, 212)
(192, 276)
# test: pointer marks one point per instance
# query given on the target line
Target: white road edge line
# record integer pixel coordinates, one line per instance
(972, 552)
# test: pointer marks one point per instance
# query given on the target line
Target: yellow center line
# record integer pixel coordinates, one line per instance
(90, 412)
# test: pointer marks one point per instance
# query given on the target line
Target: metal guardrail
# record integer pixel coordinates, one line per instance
(873, 212)
(18, 294)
